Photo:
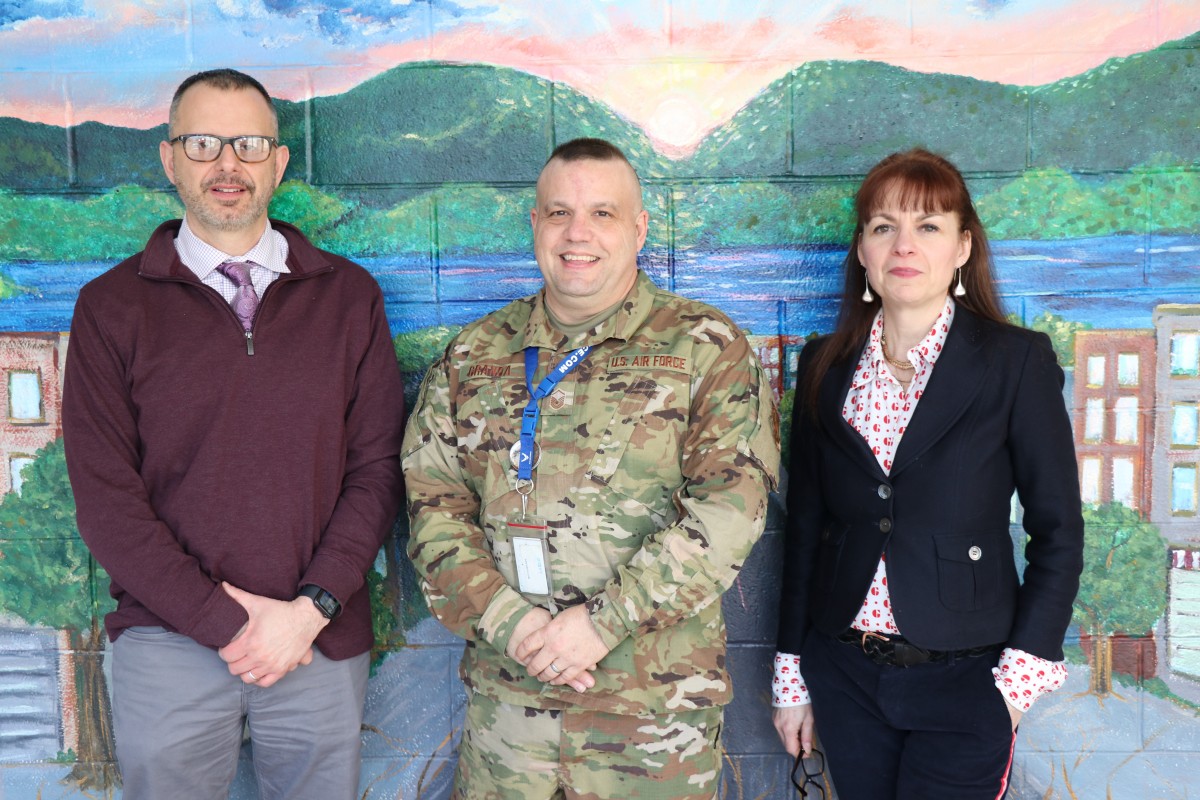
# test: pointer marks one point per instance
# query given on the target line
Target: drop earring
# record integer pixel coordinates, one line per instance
(866, 295)
(960, 290)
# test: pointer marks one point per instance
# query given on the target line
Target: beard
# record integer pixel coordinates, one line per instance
(200, 204)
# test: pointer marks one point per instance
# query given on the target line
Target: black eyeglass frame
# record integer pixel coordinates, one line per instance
(232, 141)
(814, 778)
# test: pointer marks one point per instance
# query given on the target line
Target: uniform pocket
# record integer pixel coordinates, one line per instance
(637, 455)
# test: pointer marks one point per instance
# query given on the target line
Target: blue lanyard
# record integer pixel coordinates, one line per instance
(529, 419)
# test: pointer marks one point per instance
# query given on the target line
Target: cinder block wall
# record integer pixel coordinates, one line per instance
(814, 132)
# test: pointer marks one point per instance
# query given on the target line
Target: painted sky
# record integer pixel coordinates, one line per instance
(676, 68)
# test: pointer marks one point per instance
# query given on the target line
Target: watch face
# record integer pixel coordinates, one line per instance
(323, 600)
(325, 606)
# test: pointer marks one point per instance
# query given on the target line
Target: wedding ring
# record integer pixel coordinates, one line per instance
(554, 667)
(252, 678)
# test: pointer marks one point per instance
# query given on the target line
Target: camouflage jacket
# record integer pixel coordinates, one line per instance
(657, 456)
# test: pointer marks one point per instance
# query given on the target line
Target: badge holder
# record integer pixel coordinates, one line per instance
(531, 552)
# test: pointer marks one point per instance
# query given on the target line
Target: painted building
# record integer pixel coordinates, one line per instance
(1114, 415)
(31, 393)
(1176, 478)
(778, 356)
(1175, 482)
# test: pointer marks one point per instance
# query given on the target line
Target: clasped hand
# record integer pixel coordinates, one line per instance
(277, 638)
(562, 650)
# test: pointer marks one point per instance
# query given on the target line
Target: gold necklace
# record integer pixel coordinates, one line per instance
(894, 362)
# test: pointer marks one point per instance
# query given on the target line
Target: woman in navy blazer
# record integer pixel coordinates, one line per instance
(914, 423)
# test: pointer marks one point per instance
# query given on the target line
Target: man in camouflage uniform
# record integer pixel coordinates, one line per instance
(654, 456)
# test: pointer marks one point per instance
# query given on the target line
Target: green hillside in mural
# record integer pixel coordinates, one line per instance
(441, 156)
(94, 156)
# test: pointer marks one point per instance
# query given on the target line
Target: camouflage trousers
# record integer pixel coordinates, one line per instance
(509, 752)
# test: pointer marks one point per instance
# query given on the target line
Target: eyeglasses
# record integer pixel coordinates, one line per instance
(812, 773)
(207, 147)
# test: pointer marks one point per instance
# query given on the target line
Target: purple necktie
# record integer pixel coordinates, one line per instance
(245, 300)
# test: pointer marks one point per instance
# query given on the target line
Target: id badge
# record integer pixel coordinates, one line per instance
(531, 555)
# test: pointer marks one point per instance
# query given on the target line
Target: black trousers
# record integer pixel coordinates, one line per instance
(934, 731)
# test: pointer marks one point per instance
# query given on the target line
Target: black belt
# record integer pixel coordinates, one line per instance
(896, 651)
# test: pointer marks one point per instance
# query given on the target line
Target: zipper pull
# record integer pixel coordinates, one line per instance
(249, 343)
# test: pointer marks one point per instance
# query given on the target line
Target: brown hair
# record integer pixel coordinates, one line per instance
(225, 80)
(920, 180)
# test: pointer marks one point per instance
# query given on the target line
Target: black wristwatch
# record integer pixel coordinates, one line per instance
(326, 603)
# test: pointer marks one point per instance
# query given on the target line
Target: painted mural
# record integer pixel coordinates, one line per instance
(417, 129)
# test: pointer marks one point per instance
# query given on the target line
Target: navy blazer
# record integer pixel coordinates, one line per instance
(991, 419)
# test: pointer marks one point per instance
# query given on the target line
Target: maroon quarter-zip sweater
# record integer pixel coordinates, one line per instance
(194, 462)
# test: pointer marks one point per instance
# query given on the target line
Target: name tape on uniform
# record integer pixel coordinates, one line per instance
(659, 361)
(490, 371)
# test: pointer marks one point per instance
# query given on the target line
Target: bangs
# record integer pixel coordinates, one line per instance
(915, 184)
(927, 196)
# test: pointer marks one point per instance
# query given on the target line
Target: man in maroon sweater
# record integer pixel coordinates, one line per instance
(232, 416)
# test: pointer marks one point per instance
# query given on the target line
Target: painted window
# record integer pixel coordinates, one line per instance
(1127, 369)
(1095, 371)
(1126, 412)
(1185, 418)
(15, 465)
(1183, 489)
(1089, 481)
(1093, 420)
(1123, 482)
(1185, 354)
(24, 396)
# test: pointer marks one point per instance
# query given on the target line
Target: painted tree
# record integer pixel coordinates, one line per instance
(1061, 332)
(1062, 335)
(1123, 588)
(1048, 203)
(47, 577)
(416, 350)
(106, 227)
(308, 208)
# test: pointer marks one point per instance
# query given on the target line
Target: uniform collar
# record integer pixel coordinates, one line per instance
(622, 325)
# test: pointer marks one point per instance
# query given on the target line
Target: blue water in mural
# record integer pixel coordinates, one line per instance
(1108, 282)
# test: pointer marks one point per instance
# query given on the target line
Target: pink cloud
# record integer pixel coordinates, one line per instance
(679, 81)
(859, 34)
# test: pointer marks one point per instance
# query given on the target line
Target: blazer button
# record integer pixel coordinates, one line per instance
(884, 491)
(975, 553)
(885, 525)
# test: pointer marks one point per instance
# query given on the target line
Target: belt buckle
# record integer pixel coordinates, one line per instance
(873, 644)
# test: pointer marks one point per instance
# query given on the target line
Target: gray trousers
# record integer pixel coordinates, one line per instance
(178, 716)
